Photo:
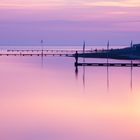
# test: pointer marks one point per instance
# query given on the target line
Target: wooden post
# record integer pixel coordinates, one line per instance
(107, 52)
(42, 47)
(84, 46)
(76, 58)
(131, 53)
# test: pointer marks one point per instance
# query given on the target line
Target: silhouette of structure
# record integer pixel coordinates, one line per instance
(76, 58)
(42, 48)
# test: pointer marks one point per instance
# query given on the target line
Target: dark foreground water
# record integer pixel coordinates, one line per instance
(49, 100)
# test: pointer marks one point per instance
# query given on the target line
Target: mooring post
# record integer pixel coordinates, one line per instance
(84, 47)
(42, 48)
(76, 58)
(132, 53)
(108, 43)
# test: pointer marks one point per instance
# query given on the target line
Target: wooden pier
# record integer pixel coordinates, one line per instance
(109, 64)
(48, 50)
(32, 54)
(37, 52)
(66, 53)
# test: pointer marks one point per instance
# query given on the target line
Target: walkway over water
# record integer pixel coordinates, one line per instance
(65, 53)
(109, 64)
(49, 50)
(35, 54)
(39, 52)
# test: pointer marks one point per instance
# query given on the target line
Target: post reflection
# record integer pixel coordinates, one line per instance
(84, 72)
(84, 67)
(76, 71)
(42, 61)
(83, 75)
(107, 77)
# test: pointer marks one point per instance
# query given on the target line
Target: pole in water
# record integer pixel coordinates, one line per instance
(42, 52)
(42, 47)
(108, 65)
(131, 84)
(108, 51)
(76, 58)
(84, 47)
(131, 52)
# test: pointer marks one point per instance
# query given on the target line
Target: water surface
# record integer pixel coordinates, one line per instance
(50, 99)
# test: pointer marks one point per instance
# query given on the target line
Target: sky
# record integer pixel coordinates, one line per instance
(69, 22)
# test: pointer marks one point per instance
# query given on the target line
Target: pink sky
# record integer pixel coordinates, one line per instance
(69, 22)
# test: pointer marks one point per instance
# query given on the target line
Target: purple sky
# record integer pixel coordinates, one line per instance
(60, 22)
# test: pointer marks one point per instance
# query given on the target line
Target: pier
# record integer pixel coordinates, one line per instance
(109, 64)
(34, 54)
(66, 53)
(48, 50)
(37, 52)
(106, 55)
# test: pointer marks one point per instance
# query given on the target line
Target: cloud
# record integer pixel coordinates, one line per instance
(68, 3)
(32, 18)
(31, 3)
(107, 3)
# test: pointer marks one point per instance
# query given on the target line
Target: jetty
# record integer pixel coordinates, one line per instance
(38, 52)
(109, 64)
(130, 53)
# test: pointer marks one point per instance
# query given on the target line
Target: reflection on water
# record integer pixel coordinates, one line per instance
(131, 81)
(84, 72)
(107, 79)
(47, 98)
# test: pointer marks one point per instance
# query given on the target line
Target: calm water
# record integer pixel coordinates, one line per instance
(49, 100)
